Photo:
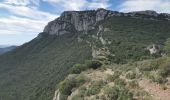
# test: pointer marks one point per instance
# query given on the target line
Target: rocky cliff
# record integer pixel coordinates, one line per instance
(73, 21)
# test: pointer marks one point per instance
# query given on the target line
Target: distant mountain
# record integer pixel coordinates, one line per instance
(4, 49)
(3, 46)
(33, 70)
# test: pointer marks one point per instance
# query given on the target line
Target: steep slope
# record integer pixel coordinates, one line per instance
(32, 71)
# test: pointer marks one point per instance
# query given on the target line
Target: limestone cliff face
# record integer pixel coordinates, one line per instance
(70, 21)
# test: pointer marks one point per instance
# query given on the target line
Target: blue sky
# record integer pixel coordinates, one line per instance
(22, 20)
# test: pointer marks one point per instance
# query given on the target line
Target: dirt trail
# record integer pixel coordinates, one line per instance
(155, 90)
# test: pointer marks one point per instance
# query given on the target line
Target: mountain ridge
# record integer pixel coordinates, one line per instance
(33, 70)
(76, 21)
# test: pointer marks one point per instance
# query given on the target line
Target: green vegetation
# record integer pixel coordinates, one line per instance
(167, 46)
(93, 64)
(154, 65)
(131, 75)
(115, 76)
(94, 88)
(133, 84)
(66, 86)
(78, 68)
(120, 82)
(159, 79)
(32, 71)
(118, 93)
(130, 37)
(165, 69)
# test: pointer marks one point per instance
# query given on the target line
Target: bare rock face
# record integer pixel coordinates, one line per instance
(71, 21)
(147, 12)
(58, 28)
(153, 49)
(101, 14)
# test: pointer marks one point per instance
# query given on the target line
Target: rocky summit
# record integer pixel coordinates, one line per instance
(72, 21)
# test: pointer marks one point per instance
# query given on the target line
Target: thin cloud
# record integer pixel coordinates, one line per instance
(22, 2)
(79, 4)
(161, 6)
(15, 25)
(23, 19)
(30, 12)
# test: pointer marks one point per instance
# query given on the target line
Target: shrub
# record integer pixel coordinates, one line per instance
(63, 97)
(167, 46)
(158, 79)
(95, 88)
(77, 97)
(82, 91)
(125, 94)
(111, 92)
(78, 68)
(165, 70)
(120, 82)
(93, 64)
(131, 75)
(133, 84)
(66, 86)
(154, 65)
(117, 93)
(80, 80)
(115, 76)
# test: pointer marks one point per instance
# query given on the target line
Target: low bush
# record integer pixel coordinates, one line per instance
(165, 69)
(78, 68)
(154, 65)
(158, 79)
(67, 85)
(131, 75)
(125, 94)
(80, 80)
(116, 75)
(133, 84)
(82, 91)
(118, 93)
(77, 97)
(94, 88)
(111, 92)
(120, 82)
(93, 64)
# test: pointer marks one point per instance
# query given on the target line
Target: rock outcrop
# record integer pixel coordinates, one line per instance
(153, 49)
(71, 21)
(147, 12)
